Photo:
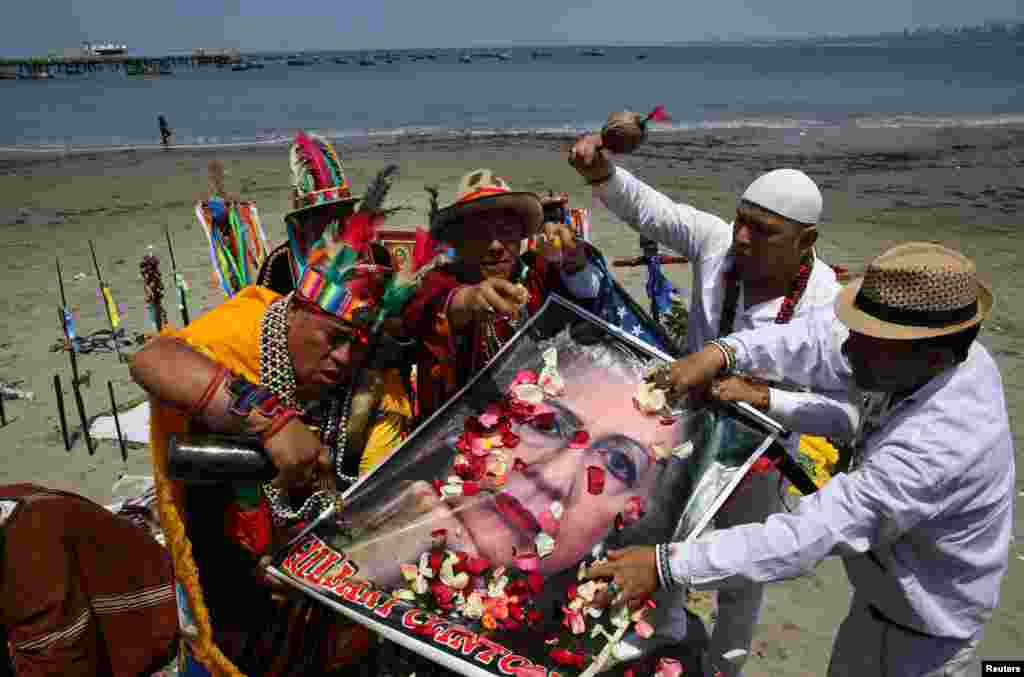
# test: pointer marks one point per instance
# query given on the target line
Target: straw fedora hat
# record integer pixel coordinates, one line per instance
(480, 191)
(915, 290)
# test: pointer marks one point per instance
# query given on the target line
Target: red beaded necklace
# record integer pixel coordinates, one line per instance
(789, 303)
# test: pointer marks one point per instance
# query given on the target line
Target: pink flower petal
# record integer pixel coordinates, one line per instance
(668, 667)
(644, 629)
(524, 376)
(488, 420)
(548, 523)
(527, 561)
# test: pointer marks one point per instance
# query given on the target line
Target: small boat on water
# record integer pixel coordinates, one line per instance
(540, 54)
(465, 58)
(641, 57)
(592, 52)
(340, 59)
(366, 61)
(299, 62)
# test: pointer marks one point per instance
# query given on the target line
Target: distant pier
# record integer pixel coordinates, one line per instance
(81, 61)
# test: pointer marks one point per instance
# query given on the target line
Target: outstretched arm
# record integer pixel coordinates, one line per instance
(807, 351)
(680, 227)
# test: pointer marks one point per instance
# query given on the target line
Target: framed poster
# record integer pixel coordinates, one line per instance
(400, 244)
(542, 461)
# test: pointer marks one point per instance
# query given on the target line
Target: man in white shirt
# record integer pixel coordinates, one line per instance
(924, 519)
(760, 270)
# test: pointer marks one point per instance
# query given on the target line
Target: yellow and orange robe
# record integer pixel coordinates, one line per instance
(218, 534)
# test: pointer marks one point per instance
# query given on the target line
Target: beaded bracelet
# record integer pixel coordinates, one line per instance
(211, 389)
(664, 567)
(727, 353)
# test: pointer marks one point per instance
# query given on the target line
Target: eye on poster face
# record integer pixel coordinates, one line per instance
(540, 462)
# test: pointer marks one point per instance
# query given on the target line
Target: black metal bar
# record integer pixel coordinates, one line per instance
(3, 414)
(117, 422)
(59, 392)
(60, 282)
(791, 470)
(80, 404)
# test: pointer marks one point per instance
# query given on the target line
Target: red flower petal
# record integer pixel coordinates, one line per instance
(595, 480)
(566, 657)
(534, 616)
(438, 533)
(536, 583)
(509, 440)
(580, 440)
(571, 592)
(470, 488)
(437, 486)
(516, 612)
(436, 558)
(477, 565)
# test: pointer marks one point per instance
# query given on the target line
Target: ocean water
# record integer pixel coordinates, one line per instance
(877, 83)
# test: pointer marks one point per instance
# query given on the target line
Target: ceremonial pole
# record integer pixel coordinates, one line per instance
(68, 327)
(108, 304)
(179, 283)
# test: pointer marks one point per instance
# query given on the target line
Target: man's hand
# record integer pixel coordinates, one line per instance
(741, 389)
(494, 296)
(297, 453)
(633, 570)
(574, 256)
(590, 159)
(693, 372)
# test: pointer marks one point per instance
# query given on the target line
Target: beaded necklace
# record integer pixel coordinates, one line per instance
(789, 303)
(278, 375)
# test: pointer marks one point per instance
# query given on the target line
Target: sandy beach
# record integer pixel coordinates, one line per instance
(963, 186)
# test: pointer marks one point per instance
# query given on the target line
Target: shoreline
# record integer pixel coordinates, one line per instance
(852, 123)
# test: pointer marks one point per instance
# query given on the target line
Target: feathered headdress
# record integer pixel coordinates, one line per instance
(339, 276)
(318, 180)
(318, 177)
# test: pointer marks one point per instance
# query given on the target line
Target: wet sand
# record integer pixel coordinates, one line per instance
(961, 186)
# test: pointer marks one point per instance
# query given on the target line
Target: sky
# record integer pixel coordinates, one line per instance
(167, 26)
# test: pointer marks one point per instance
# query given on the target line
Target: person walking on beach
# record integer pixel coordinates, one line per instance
(165, 131)
(924, 519)
(760, 270)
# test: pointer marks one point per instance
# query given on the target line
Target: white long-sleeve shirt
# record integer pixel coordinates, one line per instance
(706, 241)
(923, 521)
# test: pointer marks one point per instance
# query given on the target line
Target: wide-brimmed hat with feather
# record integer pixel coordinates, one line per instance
(480, 191)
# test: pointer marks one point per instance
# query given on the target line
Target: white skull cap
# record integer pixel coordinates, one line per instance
(787, 192)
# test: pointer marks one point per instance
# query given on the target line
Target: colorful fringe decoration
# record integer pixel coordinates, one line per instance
(238, 244)
(153, 284)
